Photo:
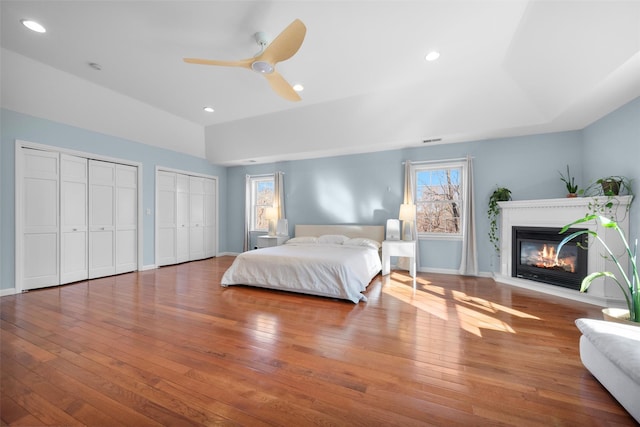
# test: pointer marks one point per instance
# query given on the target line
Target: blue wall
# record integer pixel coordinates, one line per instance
(365, 188)
(611, 146)
(368, 188)
(27, 128)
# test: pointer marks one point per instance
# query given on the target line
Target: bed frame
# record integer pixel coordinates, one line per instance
(375, 232)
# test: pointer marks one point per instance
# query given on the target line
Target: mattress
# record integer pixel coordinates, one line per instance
(328, 270)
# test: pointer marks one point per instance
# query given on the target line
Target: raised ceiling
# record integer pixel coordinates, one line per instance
(506, 67)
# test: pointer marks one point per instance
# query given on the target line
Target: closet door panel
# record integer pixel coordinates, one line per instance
(126, 218)
(209, 218)
(166, 217)
(182, 218)
(101, 219)
(196, 218)
(74, 257)
(39, 216)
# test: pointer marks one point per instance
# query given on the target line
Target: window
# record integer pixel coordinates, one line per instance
(438, 199)
(262, 189)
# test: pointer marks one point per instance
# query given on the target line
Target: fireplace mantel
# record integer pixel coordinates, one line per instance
(558, 213)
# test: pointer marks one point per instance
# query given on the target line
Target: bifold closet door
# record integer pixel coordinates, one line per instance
(126, 218)
(166, 217)
(102, 230)
(74, 231)
(209, 218)
(39, 245)
(182, 218)
(196, 218)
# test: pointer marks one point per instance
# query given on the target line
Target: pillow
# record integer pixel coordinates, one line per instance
(332, 238)
(362, 241)
(303, 239)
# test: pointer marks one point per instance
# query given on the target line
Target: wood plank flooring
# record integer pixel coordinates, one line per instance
(171, 347)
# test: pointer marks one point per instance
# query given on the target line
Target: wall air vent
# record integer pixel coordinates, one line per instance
(427, 141)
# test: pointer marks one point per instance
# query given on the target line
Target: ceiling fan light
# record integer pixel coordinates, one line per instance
(432, 56)
(33, 26)
(298, 87)
(262, 67)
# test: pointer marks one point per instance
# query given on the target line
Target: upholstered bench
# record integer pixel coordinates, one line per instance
(611, 352)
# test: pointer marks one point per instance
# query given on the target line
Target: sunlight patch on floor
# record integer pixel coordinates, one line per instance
(492, 307)
(474, 313)
(426, 297)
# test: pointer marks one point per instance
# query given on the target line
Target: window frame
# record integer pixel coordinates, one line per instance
(443, 165)
(254, 207)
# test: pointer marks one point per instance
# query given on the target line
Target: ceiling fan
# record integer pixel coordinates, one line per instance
(283, 47)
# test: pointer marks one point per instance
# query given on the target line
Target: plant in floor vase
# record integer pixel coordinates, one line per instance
(500, 194)
(628, 282)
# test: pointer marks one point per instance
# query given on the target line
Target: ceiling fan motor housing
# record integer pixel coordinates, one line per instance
(262, 67)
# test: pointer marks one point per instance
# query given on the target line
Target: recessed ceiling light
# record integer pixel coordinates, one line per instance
(432, 56)
(209, 109)
(298, 87)
(33, 26)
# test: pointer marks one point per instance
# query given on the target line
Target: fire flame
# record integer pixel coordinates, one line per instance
(548, 258)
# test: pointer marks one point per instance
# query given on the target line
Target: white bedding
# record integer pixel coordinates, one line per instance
(329, 270)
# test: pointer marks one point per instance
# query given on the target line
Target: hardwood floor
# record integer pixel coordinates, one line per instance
(171, 347)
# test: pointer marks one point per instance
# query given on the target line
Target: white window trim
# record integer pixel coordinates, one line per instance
(444, 164)
(252, 217)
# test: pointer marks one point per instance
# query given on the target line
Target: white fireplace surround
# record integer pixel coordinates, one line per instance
(558, 213)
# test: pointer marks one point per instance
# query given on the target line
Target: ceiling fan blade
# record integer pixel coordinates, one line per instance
(286, 44)
(246, 63)
(281, 87)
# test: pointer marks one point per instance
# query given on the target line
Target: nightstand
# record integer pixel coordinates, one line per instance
(268, 241)
(401, 248)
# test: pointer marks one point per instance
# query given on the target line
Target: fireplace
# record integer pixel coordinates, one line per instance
(535, 257)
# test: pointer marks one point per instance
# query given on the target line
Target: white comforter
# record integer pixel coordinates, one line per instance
(329, 270)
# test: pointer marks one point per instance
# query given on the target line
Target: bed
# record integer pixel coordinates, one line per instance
(335, 261)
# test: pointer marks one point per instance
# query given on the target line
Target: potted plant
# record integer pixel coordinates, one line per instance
(614, 185)
(570, 183)
(605, 194)
(500, 194)
(627, 282)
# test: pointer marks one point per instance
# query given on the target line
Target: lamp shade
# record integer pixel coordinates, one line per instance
(407, 212)
(271, 213)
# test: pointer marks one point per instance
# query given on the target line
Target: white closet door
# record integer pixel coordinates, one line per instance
(74, 232)
(102, 186)
(182, 218)
(39, 216)
(196, 218)
(126, 218)
(166, 217)
(209, 218)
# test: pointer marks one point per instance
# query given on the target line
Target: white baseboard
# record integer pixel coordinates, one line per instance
(438, 270)
(9, 291)
(148, 267)
(229, 254)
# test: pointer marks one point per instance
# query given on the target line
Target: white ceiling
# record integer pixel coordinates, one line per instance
(506, 67)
